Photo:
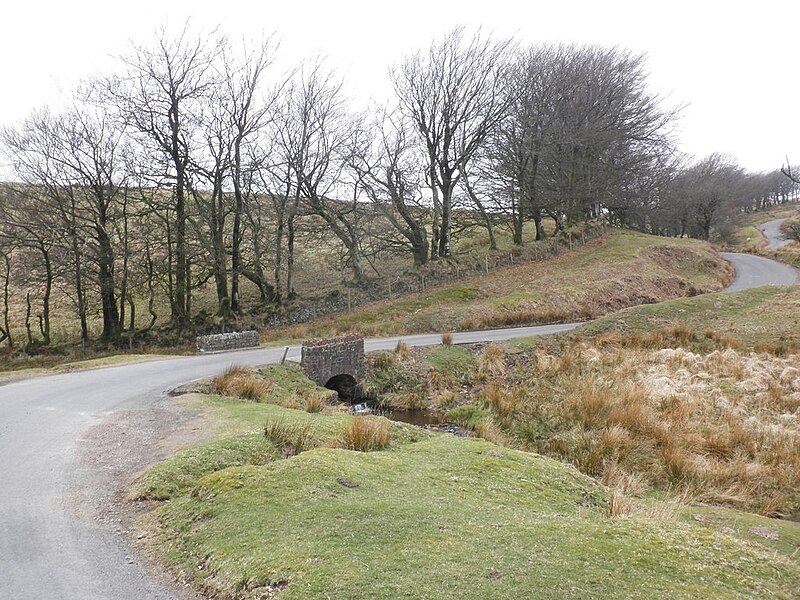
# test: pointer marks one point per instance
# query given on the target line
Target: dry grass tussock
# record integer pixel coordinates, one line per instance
(366, 434)
(723, 426)
(402, 349)
(289, 438)
(241, 382)
(491, 362)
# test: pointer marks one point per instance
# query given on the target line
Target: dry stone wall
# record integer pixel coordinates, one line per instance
(220, 342)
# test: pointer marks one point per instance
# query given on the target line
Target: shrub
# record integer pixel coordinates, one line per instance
(445, 399)
(366, 434)
(241, 382)
(619, 505)
(314, 403)
(489, 431)
(385, 374)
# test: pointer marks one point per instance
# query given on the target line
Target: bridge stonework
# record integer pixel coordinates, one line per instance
(234, 340)
(325, 359)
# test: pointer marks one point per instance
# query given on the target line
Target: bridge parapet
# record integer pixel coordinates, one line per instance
(325, 359)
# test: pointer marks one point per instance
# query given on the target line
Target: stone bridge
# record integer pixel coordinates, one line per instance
(336, 363)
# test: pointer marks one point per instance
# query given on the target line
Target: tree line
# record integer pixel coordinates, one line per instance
(196, 161)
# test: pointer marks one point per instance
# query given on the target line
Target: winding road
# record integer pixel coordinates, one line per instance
(772, 231)
(49, 547)
(753, 271)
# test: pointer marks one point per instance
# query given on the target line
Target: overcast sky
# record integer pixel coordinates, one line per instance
(735, 68)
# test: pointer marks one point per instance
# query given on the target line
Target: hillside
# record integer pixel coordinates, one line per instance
(620, 269)
(542, 282)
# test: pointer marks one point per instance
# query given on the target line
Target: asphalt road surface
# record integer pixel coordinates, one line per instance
(47, 550)
(753, 271)
(771, 230)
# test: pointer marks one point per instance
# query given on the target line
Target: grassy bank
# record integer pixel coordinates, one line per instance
(430, 516)
(762, 318)
(12, 369)
(621, 269)
(790, 253)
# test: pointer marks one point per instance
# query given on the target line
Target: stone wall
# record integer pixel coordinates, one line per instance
(235, 340)
(326, 358)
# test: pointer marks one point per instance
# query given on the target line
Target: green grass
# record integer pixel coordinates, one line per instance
(434, 516)
(782, 537)
(289, 378)
(769, 314)
(239, 441)
(452, 358)
(467, 415)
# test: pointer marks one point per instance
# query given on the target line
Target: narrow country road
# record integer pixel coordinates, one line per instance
(772, 231)
(48, 550)
(753, 271)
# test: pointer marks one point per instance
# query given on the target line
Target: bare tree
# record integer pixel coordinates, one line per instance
(159, 95)
(6, 252)
(314, 131)
(70, 161)
(452, 95)
(791, 171)
(249, 107)
(702, 190)
(384, 160)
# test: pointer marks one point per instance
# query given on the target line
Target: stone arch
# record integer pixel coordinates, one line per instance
(336, 363)
(345, 385)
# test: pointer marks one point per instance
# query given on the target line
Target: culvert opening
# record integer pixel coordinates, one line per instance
(346, 386)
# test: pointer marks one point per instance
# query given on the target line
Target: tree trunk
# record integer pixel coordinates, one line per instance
(151, 294)
(487, 221)
(279, 227)
(447, 207)
(28, 318)
(44, 323)
(435, 233)
(180, 315)
(123, 290)
(537, 220)
(224, 303)
(236, 242)
(290, 293)
(6, 332)
(111, 323)
(78, 282)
